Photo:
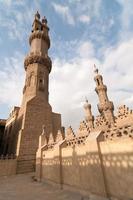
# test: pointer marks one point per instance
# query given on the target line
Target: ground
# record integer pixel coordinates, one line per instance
(23, 187)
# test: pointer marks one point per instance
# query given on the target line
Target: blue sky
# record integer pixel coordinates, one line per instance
(82, 32)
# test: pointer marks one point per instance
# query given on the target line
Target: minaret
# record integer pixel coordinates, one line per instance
(105, 106)
(35, 110)
(89, 118)
(37, 63)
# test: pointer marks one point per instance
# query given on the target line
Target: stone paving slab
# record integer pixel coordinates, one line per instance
(22, 187)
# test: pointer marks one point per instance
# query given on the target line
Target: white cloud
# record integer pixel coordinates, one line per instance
(126, 19)
(15, 20)
(11, 80)
(85, 49)
(84, 18)
(64, 11)
(77, 11)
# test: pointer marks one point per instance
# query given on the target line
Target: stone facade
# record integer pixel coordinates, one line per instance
(25, 123)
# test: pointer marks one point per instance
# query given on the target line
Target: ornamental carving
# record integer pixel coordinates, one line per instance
(40, 35)
(70, 133)
(124, 111)
(31, 59)
(100, 121)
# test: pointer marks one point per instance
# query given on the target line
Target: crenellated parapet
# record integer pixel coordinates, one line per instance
(13, 115)
(100, 122)
(114, 133)
(83, 129)
(124, 116)
(70, 133)
(59, 136)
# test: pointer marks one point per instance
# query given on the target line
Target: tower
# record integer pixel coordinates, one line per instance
(105, 106)
(88, 115)
(37, 63)
(35, 111)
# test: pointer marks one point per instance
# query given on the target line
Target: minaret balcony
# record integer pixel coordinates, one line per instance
(36, 58)
(105, 106)
(101, 88)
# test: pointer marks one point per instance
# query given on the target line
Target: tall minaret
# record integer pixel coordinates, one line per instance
(37, 63)
(105, 106)
(35, 110)
(89, 118)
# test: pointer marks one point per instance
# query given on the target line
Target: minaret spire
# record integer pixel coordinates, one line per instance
(89, 118)
(105, 106)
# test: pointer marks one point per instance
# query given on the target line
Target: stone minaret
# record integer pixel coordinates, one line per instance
(35, 110)
(89, 118)
(37, 63)
(105, 106)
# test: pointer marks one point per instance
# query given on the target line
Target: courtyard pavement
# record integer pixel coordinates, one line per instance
(22, 187)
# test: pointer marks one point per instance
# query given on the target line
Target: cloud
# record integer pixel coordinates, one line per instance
(85, 49)
(126, 19)
(11, 80)
(84, 19)
(64, 11)
(17, 18)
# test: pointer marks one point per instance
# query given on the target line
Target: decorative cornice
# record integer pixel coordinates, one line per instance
(40, 35)
(31, 59)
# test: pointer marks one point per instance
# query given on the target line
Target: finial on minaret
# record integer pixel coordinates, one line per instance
(86, 105)
(86, 100)
(44, 20)
(95, 69)
(37, 15)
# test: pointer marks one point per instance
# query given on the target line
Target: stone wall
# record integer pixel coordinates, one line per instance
(102, 168)
(117, 160)
(7, 166)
